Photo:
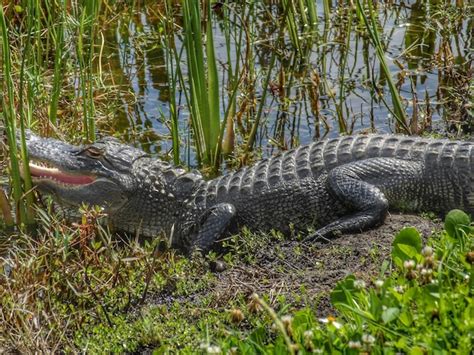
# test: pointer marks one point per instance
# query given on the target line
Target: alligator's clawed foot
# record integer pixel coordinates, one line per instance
(316, 236)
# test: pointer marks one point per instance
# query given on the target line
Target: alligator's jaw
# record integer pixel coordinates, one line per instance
(55, 175)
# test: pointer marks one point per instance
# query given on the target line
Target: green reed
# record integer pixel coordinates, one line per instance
(292, 23)
(9, 118)
(234, 74)
(203, 99)
(87, 30)
(371, 26)
(344, 53)
(58, 65)
(279, 38)
(172, 66)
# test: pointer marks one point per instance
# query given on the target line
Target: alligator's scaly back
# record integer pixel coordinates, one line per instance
(336, 185)
(439, 157)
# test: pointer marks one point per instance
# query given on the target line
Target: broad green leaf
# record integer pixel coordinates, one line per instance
(390, 314)
(343, 291)
(406, 318)
(406, 246)
(456, 220)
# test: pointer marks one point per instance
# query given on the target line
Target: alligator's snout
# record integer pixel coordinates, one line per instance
(53, 161)
(96, 174)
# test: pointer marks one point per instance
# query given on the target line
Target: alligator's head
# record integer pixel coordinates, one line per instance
(98, 174)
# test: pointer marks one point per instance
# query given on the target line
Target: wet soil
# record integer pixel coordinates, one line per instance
(306, 273)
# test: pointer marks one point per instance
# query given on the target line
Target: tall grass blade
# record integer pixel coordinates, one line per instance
(9, 117)
(256, 123)
(85, 54)
(170, 47)
(24, 122)
(53, 107)
(212, 89)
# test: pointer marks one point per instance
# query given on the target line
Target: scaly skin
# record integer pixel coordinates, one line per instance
(338, 185)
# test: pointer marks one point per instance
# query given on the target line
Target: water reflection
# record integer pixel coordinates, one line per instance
(335, 85)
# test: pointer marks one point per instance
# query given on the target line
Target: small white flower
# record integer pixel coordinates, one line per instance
(359, 284)
(399, 289)
(354, 344)
(427, 251)
(331, 320)
(379, 283)
(409, 264)
(426, 272)
(368, 339)
(308, 334)
(214, 349)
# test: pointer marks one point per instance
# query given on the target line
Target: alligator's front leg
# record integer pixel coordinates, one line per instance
(209, 227)
(361, 186)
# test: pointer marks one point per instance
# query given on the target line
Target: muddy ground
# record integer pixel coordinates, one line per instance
(306, 273)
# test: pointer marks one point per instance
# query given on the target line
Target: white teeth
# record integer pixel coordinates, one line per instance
(44, 168)
(42, 164)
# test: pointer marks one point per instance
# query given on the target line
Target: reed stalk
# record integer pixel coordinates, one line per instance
(172, 70)
(342, 69)
(292, 23)
(59, 42)
(85, 53)
(9, 118)
(312, 14)
(24, 122)
(371, 26)
(203, 99)
(253, 132)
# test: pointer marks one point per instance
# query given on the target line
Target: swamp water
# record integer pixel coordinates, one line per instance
(329, 83)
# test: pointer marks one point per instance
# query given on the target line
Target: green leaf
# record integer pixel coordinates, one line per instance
(343, 291)
(390, 314)
(455, 221)
(417, 351)
(406, 318)
(406, 246)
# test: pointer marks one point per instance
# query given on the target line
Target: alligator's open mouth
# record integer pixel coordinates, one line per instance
(42, 172)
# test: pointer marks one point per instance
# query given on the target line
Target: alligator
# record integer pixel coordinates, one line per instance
(326, 188)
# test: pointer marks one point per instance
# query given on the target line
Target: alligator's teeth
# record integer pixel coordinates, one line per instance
(58, 176)
(43, 169)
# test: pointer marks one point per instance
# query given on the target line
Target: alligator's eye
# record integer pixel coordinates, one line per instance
(94, 152)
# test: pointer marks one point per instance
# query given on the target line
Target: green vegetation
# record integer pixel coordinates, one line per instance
(75, 288)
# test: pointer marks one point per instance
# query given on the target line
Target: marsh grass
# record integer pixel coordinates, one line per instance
(23, 206)
(36, 65)
(87, 31)
(203, 98)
